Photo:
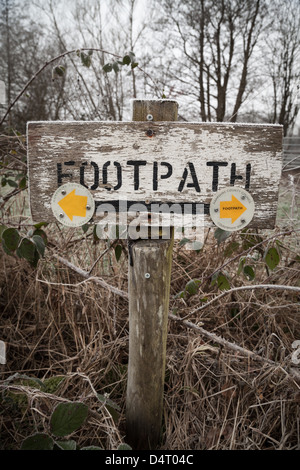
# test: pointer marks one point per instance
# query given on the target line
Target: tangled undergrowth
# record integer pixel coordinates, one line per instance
(232, 372)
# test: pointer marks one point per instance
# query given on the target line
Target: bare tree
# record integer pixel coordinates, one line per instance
(217, 39)
(283, 62)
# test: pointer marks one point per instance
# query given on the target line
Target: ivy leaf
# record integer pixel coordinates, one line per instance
(38, 442)
(11, 238)
(67, 418)
(272, 258)
(27, 250)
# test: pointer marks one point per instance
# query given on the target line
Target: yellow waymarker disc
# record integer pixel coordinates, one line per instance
(73, 205)
(232, 208)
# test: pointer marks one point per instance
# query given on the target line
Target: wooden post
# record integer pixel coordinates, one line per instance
(149, 291)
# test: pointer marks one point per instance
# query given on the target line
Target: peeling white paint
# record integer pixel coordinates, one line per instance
(176, 143)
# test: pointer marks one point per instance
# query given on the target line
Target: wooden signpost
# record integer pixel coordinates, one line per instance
(154, 160)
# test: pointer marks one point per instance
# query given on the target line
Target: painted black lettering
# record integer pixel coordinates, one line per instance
(215, 180)
(194, 184)
(248, 174)
(104, 174)
(233, 175)
(81, 172)
(60, 174)
(155, 176)
(96, 175)
(119, 176)
(136, 176)
(163, 177)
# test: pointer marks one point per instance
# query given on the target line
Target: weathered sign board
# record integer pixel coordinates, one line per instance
(155, 162)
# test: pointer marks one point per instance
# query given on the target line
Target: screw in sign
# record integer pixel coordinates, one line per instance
(73, 205)
(232, 209)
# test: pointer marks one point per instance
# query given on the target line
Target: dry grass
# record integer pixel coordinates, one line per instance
(215, 398)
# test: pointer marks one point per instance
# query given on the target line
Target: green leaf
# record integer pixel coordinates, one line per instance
(12, 183)
(116, 67)
(91, 448)
(66, 445)
(134, 65)
(126, 59)
(67, 418)
(184, 241)
(223, 282)
(241, 265)
(85, 59)
(39, 243)
(124, 447)
(38, 442)
(41, 234)
(32, 381)
(58, 71)
(41, 224)
(11, 238)
(118, 252)
(85, 227)
(27, 250)
(192, 287)
(180, 295)
(272, 258)
(249, 273)
(221, 235)
(22, 183)
(107, 68)
(52, 384)
(3, 182)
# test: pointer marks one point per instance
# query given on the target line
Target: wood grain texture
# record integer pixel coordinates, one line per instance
(148, 319)
(173, 159)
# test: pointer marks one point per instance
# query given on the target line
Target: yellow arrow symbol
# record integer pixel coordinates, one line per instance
(74, 205)
(231, 209)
